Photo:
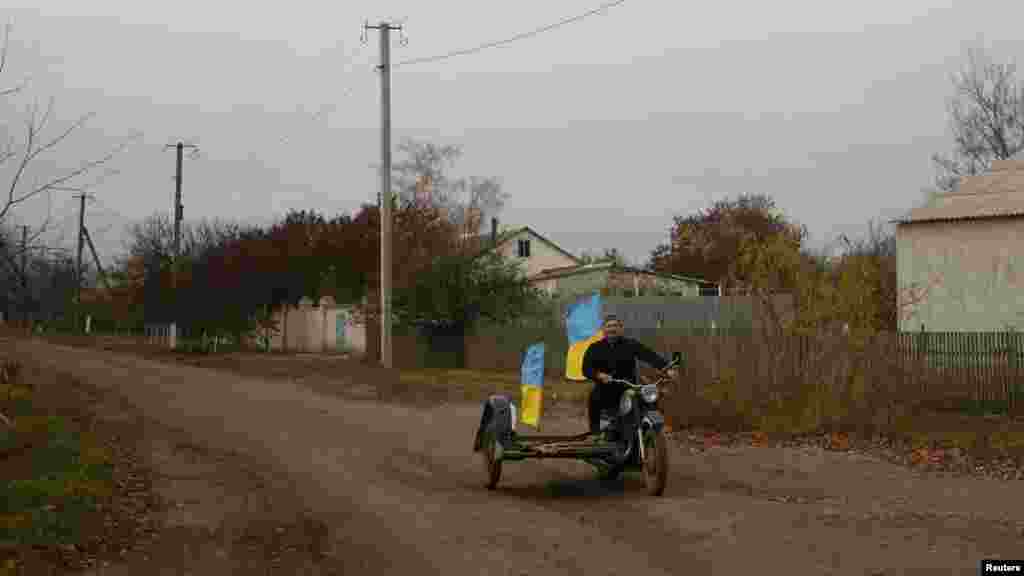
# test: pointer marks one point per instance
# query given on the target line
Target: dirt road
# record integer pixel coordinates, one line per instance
(401, 491)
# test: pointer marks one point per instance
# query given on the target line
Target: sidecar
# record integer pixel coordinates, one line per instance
(497, 441)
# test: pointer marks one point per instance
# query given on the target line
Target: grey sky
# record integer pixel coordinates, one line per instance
(600, 130)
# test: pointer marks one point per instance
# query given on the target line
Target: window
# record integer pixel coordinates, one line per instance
(524, 248)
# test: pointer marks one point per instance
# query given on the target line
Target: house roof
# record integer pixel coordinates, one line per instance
(484, 240)
(998, 193)
(561, 272)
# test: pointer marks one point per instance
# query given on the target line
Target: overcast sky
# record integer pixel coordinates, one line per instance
(600, 130)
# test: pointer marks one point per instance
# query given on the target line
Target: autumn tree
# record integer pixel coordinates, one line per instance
(144, 273)
(150, 248)
(423, 176)
(235, 275)
(462, 291)
(874, 258)
(707, 244)
(856, 291)
(421, 234)
(45, 290)
(986, 117)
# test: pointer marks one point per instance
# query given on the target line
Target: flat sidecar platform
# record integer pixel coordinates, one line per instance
(583, 446)
(498, 418)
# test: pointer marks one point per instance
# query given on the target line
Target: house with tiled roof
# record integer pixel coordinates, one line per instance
(961, 255)
(557, 272)
(534, 252)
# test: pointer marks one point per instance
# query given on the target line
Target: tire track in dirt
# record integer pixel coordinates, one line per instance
(572, 492)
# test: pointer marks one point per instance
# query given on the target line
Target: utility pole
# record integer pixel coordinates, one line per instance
(24, 274)
(385, 187)
(178, 214)
(24, 251)
(96, 259)
(78, 267)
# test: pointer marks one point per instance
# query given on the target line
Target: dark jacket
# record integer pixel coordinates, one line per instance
(619, 359)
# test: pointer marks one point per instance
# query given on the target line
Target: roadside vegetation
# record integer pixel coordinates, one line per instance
(68, 497)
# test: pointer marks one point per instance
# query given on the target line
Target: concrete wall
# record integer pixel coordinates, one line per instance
(975, 269)
(349, 333)
(326, 328)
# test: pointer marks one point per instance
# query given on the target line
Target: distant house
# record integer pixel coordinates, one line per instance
(524, 245)
(557, 272)
(963, 254)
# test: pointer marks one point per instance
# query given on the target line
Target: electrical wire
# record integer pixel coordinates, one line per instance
(522, 36)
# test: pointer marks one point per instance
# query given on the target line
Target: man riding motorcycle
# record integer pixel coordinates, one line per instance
(614, 356)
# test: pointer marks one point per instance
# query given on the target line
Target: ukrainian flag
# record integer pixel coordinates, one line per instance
(583, 325)
(532, 384)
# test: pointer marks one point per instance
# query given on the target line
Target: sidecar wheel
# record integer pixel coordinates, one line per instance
(655, 465)
(612, 472)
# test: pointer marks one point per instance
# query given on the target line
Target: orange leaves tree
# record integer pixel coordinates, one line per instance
(706, 244)
(856, 291)
(853, 301)
(232, 277)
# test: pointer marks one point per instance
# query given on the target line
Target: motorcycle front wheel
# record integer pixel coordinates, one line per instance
(655, 464)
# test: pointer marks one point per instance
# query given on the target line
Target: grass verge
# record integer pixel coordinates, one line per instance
(55, 477)
(983, 431)
(63, 505)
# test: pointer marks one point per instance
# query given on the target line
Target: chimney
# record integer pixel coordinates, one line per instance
(494, 232)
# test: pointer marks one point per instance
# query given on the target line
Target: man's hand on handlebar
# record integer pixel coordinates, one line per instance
(602, 377)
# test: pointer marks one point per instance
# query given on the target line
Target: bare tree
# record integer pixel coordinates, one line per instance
(425, 168)
(425, 172)
(153, 238)
(986, 115)
(20, 157)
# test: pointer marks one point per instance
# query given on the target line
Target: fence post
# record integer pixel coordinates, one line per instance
(1013, 350)
(925, 359)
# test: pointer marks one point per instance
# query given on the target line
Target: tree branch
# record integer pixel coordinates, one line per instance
(59, 182)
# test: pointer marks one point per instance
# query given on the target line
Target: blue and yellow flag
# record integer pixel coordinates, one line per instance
(583, 325)
(532, 384)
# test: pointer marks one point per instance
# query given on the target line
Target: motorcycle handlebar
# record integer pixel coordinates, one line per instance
(629, 384)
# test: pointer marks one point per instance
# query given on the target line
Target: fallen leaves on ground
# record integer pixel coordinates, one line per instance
(924, 459)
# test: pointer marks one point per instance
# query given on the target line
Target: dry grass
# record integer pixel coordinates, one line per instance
(65, 498)
(479, 384)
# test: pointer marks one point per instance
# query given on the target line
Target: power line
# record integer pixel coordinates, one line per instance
(524, 35)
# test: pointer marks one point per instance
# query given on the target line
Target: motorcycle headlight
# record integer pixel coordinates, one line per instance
(649, 393)
(626, 404)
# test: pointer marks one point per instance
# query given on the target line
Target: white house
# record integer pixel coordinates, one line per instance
(524, 245)
(961, 256)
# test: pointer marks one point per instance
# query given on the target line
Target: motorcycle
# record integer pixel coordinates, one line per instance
(632, 437)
